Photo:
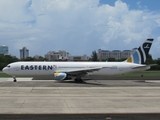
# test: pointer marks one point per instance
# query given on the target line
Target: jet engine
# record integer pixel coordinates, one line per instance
(60, 76)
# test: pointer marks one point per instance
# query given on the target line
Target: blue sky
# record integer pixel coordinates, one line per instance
(137, 4)
(78, 26)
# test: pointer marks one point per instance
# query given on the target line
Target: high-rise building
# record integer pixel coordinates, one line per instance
(24, 53)
(3, 49)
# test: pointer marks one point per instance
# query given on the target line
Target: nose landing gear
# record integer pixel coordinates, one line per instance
(14, 79)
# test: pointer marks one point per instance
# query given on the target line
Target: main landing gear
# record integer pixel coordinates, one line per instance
(78, 80)
(14, 79)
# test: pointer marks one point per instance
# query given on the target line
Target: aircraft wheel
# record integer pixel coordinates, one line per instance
(14, 80)
(78, 80)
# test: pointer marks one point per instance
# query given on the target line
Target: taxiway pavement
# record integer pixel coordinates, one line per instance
(92, 97)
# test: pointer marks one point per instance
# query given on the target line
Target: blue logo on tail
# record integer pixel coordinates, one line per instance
(140, 54)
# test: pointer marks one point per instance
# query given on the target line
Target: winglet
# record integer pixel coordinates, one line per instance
(139, 56)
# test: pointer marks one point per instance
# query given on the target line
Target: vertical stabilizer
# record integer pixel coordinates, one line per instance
(139, 55)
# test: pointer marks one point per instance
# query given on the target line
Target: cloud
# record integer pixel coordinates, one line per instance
(15, 11)
(76, 26)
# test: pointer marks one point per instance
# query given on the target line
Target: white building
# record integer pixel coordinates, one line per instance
(4, 49)
(60, 55)
(117, 54)
(24, 53)
(103, 54)
(79, 58)
(126, 53)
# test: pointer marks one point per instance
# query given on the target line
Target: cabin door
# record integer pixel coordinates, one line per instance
(120, 68)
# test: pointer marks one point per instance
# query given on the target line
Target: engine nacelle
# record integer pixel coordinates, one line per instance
(60, 76)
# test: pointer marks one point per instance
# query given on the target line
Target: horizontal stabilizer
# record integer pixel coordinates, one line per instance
(141, 67)
(152, 65)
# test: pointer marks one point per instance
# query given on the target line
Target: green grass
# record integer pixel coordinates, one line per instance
(148, 73)
(141, 74)
(4, 75)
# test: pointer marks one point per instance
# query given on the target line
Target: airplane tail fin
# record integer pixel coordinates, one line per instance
(139, 55)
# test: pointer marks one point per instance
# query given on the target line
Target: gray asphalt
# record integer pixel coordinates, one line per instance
(87, 83)
(81, 117)
(25, 91)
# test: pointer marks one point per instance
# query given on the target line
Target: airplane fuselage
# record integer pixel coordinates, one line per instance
(49, 68)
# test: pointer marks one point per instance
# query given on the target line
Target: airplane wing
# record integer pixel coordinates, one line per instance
(81, 71)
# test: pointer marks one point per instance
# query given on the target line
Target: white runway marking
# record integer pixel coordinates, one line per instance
(153, 81)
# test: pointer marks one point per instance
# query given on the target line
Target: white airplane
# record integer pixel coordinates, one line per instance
(66, 70)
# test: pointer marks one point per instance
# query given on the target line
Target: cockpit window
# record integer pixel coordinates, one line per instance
(8, 66)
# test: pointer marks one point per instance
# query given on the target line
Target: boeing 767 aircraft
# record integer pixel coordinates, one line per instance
(77, 70)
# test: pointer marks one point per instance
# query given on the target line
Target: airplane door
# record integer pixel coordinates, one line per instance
(17, 68)
(120, 68)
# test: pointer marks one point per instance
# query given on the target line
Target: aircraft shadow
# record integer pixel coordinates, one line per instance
(84, 82)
